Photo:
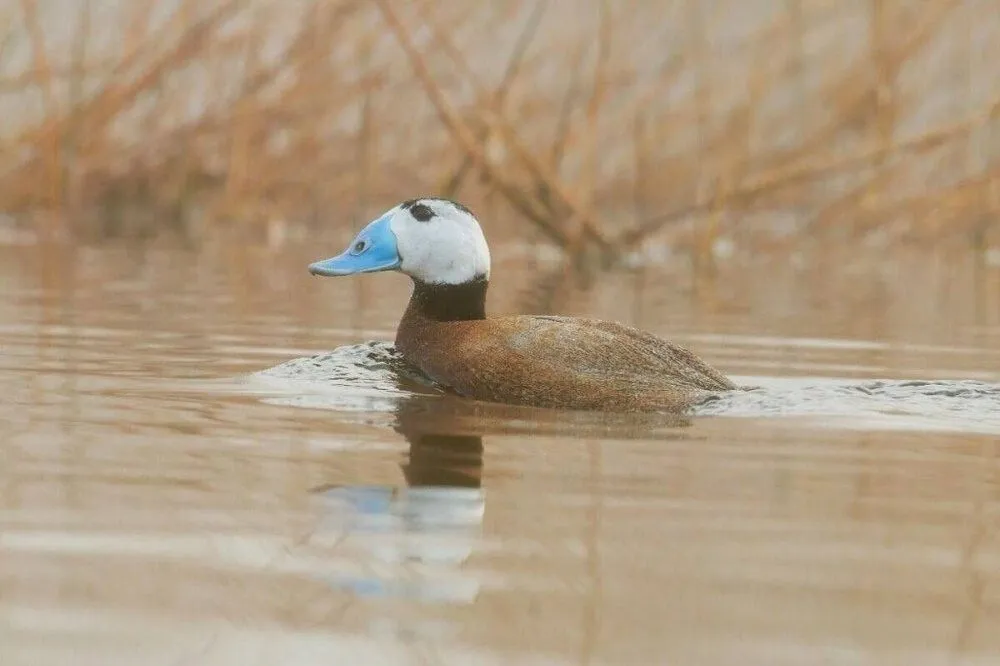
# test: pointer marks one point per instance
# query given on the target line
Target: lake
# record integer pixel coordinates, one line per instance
(176, 488)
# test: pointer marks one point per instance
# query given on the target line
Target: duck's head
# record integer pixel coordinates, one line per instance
(434, 241)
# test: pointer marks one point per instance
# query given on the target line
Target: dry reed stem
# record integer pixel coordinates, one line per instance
(496, 124)
(598, 94)
(275, 140)
(499, 97)
(463, 133)
(50, 155)
(813, 168)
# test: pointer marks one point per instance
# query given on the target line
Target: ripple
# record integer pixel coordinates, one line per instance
(369, 376)
(374, 363)
(944, 405)
(373, 376)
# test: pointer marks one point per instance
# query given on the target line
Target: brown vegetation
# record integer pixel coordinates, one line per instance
(600, 124)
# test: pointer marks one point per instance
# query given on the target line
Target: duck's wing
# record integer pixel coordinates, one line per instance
(597, 348)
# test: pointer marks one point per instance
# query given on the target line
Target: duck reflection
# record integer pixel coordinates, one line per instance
(411, 541)
(441, 460)
(415, 541)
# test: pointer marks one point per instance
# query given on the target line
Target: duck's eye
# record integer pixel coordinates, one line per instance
(359, 247)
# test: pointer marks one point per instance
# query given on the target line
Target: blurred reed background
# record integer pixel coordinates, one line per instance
(720, 126)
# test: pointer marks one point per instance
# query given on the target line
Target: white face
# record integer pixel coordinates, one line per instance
(446, 246)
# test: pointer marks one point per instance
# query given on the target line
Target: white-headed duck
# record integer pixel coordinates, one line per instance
(534, 360)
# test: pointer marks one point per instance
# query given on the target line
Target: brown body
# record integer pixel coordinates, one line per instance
(546, 361)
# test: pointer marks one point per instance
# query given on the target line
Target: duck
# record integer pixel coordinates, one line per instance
(546, 361)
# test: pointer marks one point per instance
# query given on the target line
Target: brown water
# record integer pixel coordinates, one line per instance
(162, 501)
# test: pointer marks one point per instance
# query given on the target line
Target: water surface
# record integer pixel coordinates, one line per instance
(214, 459)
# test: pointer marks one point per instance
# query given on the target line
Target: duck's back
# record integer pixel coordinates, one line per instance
(562, 362)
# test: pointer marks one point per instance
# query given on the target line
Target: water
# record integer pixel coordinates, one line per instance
(182, 483)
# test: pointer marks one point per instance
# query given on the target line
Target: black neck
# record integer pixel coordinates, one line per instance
(450, 302)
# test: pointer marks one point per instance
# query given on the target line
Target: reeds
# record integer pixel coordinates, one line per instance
(600, 125)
